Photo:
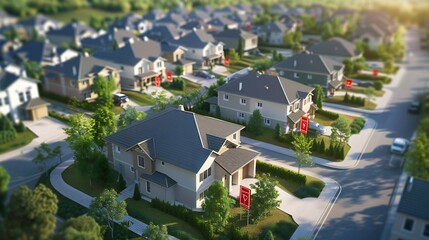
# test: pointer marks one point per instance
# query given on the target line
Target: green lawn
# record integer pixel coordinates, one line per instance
(82, 181)
(190, 88)
(143, 211)
(369, 105)
(141, 99)
(326, 121)
(21, 140)
(246, 61)
(359, 89)
(84, 14)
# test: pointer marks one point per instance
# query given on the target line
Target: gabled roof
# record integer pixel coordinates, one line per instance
(37, 20)
(78, 67)
(164, 32)
(75, 29)
(180, 137)
(415, 198)
(206, 8)
(266, 87)
(35, 103)
(198, 15)
(235, 158)
(193, 24)
(173, 18)
(196, 39)
(34, 51)
(154, 15)
(242, 7)
(308, 62)
(370, 29)
(273, 27)
(221, 21)
(160, 179)
(167, 47)
(7, 79)
(130, 20)
(234, 33)
(335, 47)
(107, 39)
(240, 18)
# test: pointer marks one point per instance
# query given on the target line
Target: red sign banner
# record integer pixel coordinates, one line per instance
(349, 83)
(226, 61)
(157, 81)
(303, 126)
(244, 197)
(247, 28)
(169, 76)
(375, 72)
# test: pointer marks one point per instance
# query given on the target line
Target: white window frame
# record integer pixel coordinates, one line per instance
(21, 97)
(138, 161)
(267, 122)
(242, 101)
(296, 105)
(148, 190)
(205, 174)
(309, 76)
(296, 75)
(412, 226)
(259, 105)
(240, 115)
(117, 149)
(132, 169)
(28, 94)
(226, 97)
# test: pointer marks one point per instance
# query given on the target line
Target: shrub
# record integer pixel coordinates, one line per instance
(357, 125)
(20, 127)
(281, 172)
(137, 196)
(378, 85)
(59, 116)
(121, 184)
(328, 114)
(7, 136)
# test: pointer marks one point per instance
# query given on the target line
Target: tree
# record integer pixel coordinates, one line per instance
(57, 152)
(106, 209)
(417, 163)
(44, 153)
(34, 34)
(327, 31)
(268, 235)
(302, 146)
(423, 126)
(288, 38)
(278, 131)
(4, 183)
(388, 63)
(161, 101)
(256, 123)
(104, 124)
(240, 48)
(261, 65)
(33, 69)
(296, 47)
(130, 115)
(178, 70)
(359, 64)
(121, 183)
(104, 89)
(82, 227)
(337, 27)
(318, 96)
(115, 45)
(309, 23)
(340, 130)
(155, 232)
(348, 66)
(369, 93)
(31, 213)
(265, 198)
(233, 55)
(137, 196)
(217, 206)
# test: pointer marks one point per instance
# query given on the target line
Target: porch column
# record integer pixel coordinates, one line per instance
(252, 169)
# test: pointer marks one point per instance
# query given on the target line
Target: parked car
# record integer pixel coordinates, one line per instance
(317, 127)
(399, 146)
(119, 99)
(414, 107)
(204, 74)
(365, 84)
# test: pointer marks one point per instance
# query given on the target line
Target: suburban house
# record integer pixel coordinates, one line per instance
(202, 48)
(232, 37)
(40, 23)
(198, 15)
(272, 33)
(220, 23)
(336, 48)
(70, 34)
(167, 32)
(278, 9)
(175, 19)
(7, 46)
(75, 77)
(107, 41)
(309, 68)
(154, 15)
(19, 96)
(175, 56)
(139, 62)
(176, 155)
(279, 100)
(6, 19)
(133, 22)
(412, 215)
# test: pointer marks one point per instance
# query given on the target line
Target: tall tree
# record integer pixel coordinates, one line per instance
(318, 96)
(178, 70)
(288, 38)
(327, 31)
(44, 153)
(337, 27)
(155, 232)
(104, 124)
(4, 183)
(369, 93)
(302, 146)
(217, 206)
(161, 101)
(296, 47)
(256, 123)
(31, 213)
(104, 89)
(233, 55)
(105, 208)
(82, 227)
(240, 49)
(348, 66)
(261, 65)
(417, 163)
(129, 115)
(265, 198)
(341, 129)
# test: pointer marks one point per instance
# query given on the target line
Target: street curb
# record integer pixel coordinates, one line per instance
(353, 109)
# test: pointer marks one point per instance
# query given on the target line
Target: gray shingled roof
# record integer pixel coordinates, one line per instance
(308, 62)
(199, 15)
(75, 29)
(173, 18)
(296, 116)
(211, 100)
(415, 198)
(371, 29)
(221, 21)
(266, 87)
(34, 51)
(154, 14)
(107, 39)
(234, 33)
(35, 102)
(196, 39)
(235, 158)
(273, 27)
(215, 143)
(160, 179)
(130, 20)
(7, 79)
(166, 32)
(179, 137)
(335, 47)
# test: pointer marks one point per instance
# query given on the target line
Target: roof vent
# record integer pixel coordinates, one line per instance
(294, 63)
(181, 108)
(240, 86)
(410, 184)
(266, 87)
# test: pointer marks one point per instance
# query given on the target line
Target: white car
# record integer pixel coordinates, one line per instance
(399, 146)
(317, 127)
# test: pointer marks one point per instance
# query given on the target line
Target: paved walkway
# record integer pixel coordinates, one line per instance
(85, 200)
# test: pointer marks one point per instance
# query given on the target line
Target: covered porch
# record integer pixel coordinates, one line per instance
(334, 85)
(214, 59)
(293, 120)
(145, 79)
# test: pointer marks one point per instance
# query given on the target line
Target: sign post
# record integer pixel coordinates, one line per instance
(244, 198)
(303, 126)
(349, 83)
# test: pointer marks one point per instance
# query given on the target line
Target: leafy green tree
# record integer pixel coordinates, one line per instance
(233, 56)
(337, 27)
(256, 123)
(31, 213)
(106, 209)
(297, 36)
(44, 153)
(288, 38)
(388, 63)
(296, 47)
(348, 66)
(104, 89)
(278, 131)
(178, 70)
(33, 69)
(417, 163)
(423, 126)
(99, 166)
(34, 34)
(268, 235)
(369, 93)
(309, 23)
(12, 34)
(327, 31)
(261, 65)
(155, 232)
(57, 152)
(161, 101)
(341, 130)
(130, 115)
(264, 200)
(359, 64)
(302, 146)
(318, 96)
(4, 183)
(104, 124)
(217, 206)
(121, 183)
(82, 227)
(240, 48)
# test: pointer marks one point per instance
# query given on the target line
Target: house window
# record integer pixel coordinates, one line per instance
(202, 195)
(159, 64)
(296, 75)
(28, 94)
(225, 97)
(234, 136)
(71, 83)
(207, 173)
(408, 224)
(281, 73)
(21, 97)
(132, 169)
(310, 76)
(162, 163)
(141, 161)
(297, 105)
(219, 48)
(118, 149)
(1, 103)
(240, 115)
(259, 105)
(267, 122)
(426, 230)
(242, 101)
(6, 100)
(148, 186)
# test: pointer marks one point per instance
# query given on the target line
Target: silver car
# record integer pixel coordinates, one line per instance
(317, 127)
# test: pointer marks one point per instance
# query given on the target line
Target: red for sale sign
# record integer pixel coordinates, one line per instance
(157, 81)
(375, 72)
(169, 76)
(349, 83)
(226, 61)
(244, 197)
(303, 126)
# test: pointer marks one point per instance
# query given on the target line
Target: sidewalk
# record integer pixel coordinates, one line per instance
(85, 200)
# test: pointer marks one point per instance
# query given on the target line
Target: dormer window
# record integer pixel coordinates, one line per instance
(296, 105)
(225, 97)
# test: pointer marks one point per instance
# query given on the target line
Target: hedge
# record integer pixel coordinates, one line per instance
(384, 79)
(281, 172)
(7, 136)
(59, 116)
(328, 114)
(357, 125)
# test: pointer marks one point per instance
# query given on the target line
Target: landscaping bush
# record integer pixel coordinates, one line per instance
(235, 233)
(137, 196)
(357, 125)
(284, 229)
(378, 85)
(182, 235)
(7, 136)
(20, 127)
(384, 79)
(59, 116)
(354, 100)
(178, 83)
(281, 172)
(306, 191)
(328, 114)
(121, 184)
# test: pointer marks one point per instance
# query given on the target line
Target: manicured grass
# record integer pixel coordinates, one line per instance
(369, 105)
(82, 181)
(141, 99)
(190, 88)
(246, 61)
(117, 109)
(326, 121)
(21, 140)
(84, 14)
(359, 89)
(280, 223)
(143, 211)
